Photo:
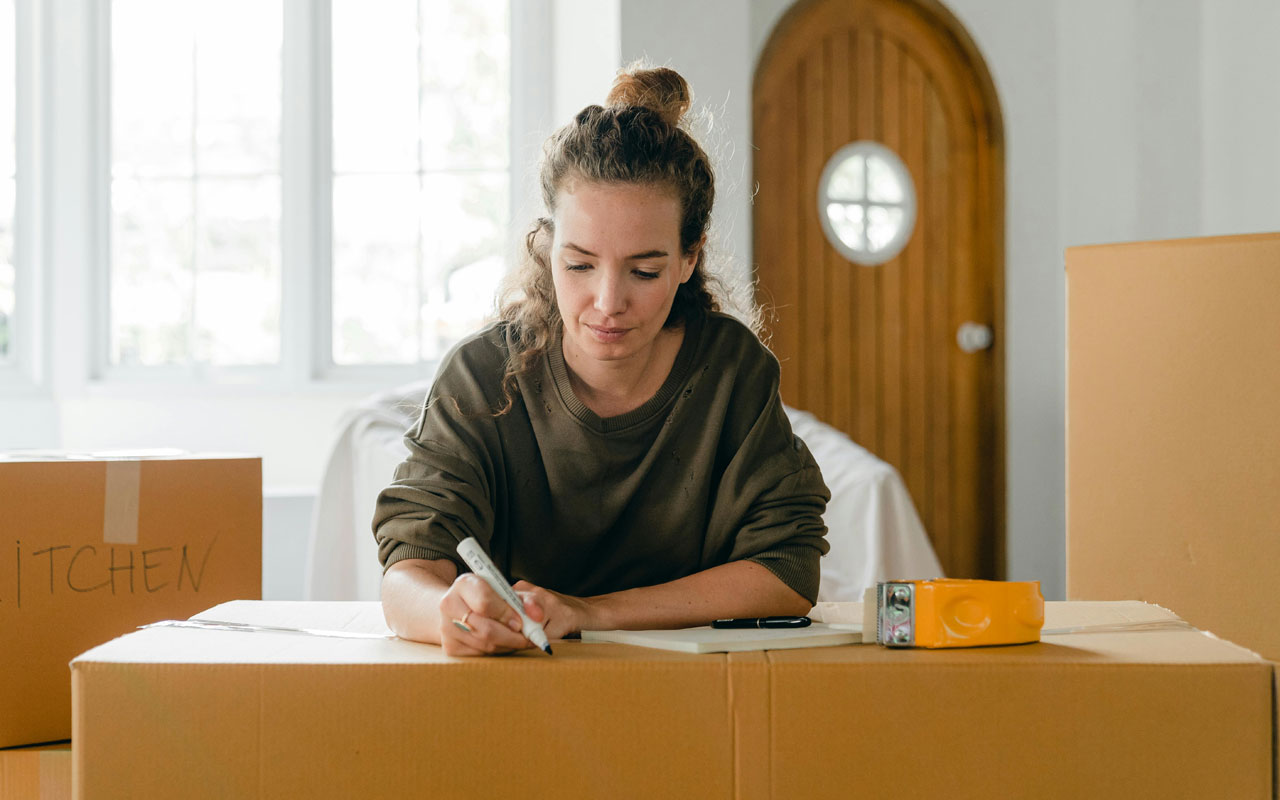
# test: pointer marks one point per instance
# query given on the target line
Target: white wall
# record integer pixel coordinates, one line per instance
(708, 43)
(1241, 105)
(1019, 43)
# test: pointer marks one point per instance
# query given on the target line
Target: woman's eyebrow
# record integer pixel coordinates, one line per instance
(636, 257)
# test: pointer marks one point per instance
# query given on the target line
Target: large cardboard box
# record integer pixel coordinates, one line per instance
(42, 772)
(90, 548)
(1163, 712)
(1173, 430)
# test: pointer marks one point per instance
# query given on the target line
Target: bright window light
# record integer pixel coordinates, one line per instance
(421, 178)
(195, 273)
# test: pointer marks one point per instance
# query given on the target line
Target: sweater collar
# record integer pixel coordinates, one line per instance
(675, 379)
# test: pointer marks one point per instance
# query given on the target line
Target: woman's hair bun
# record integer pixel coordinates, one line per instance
(658, 89)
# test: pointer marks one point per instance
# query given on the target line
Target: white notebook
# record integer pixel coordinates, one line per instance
(732, 640)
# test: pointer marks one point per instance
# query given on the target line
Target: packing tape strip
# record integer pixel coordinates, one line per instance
(120, 508)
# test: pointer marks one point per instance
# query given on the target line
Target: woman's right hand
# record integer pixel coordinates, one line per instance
(494, 625)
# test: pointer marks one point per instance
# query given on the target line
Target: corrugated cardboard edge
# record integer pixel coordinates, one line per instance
(750, 696)
(77, 725)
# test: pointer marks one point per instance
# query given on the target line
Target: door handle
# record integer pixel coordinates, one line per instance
(972, 337)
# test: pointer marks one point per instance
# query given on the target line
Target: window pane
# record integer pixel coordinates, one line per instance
(375, 86)
(237, 279)
(237, 109)
(152, 87)
(882, 225)
(884, 184)
(846, 221)
(847, 180)
(463, 230)
(151, 247)
(375, 265)
(421, 95)
(196, 99)
(465, 66)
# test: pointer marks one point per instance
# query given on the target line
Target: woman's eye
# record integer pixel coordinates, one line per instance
(648, 276)
(577, 267)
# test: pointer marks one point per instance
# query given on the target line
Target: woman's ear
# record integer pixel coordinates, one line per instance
(690, 259)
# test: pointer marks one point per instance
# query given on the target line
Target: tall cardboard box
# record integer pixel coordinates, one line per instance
(91, 548)
(1173, 430)
(1146, 707)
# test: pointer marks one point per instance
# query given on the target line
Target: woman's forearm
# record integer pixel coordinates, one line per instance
(736, 589)
(411, 592)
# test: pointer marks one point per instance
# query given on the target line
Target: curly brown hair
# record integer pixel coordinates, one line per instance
(635, 138)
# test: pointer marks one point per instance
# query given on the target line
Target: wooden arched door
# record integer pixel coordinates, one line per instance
(873, 351)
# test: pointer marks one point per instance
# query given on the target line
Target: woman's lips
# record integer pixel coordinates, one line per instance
(608, 334)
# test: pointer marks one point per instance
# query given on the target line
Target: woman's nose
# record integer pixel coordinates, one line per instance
(610, 296)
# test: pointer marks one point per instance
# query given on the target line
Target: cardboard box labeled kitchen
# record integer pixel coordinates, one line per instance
(90, 548)
(1145, 707)
(1173, 430)
(42, 772)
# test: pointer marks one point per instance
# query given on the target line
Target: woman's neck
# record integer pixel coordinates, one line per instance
(613, 388)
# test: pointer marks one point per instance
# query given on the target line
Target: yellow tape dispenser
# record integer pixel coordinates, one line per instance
(952, 612)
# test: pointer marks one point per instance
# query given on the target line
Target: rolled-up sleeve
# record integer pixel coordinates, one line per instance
(442, 492)
(777, 490)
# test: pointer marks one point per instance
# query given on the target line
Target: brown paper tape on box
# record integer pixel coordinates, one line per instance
(120, 508)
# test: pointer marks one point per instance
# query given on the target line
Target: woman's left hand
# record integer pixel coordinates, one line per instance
(560, 614)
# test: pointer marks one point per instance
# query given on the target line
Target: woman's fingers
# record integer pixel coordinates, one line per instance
(483, 600)
(485, 637)
(488, 624)
(489, 636)
(532, 603)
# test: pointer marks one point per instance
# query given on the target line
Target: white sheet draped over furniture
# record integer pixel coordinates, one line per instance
(874, 531)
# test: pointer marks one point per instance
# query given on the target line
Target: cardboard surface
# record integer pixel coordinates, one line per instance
(1173, 430)
(92, 548)
(1165, 713)
(42, 772)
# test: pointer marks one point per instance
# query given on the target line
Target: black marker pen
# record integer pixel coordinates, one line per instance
(762, 622)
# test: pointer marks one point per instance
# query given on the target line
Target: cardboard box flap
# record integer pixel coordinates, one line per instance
(355, 616)
(1059, 614)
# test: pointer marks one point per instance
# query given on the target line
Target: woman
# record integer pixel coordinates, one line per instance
(614, 441)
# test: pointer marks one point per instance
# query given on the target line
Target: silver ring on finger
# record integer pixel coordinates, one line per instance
(462, 623)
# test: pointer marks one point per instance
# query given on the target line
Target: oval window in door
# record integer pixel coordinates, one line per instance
(867, 203)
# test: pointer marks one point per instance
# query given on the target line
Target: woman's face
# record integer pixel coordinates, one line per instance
(616, 264)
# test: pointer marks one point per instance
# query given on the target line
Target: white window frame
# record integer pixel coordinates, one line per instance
(306, 214)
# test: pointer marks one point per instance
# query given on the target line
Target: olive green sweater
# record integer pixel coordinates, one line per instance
(704, 473)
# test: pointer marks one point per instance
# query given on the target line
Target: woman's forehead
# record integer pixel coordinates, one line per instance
(627, 207)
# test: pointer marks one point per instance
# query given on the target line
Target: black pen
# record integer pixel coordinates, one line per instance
(762, 622)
